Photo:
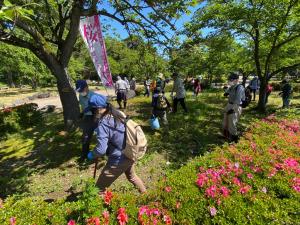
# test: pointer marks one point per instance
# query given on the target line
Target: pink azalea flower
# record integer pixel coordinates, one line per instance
(264, 190)
(202, 179)
(213, 211)
(292, 163)
(272, 173)
(244, 189)
(236, 181)
(13, 221)
(296, 184)
(168, 189)
(218, 202)
(71, 222)
(253, 146)
(224, 191)
(143, 210)
(250, 176)
(211, 191)
(105, 215)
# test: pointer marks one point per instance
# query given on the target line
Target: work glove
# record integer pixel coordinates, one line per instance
(91, 156)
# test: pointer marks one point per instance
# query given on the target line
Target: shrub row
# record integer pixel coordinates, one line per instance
(256, 181)
(13, 119)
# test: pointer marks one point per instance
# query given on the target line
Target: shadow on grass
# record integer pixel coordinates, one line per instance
(46, 149)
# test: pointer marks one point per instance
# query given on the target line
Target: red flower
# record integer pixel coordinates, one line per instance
(122, 216)
(71, 222)
(244, 189)
(93, 221)
(168, 189)
(167, 219)
(108, 195)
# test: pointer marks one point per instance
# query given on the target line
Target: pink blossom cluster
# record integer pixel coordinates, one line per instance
(296, 184)
(152, 216)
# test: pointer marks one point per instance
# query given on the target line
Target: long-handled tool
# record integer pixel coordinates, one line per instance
(95, 169)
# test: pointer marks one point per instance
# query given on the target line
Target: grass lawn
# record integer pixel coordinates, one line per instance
(41, 162)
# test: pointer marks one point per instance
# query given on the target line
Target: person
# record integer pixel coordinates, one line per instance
(197, 87)
(178, 88)
(147, 84)
(269, 89)
(254, 85)
(160, 105)
(110, 134)
(121, 91)
(127, 81)
(233, 110)
(285, 93)
(87, 125)
(132, 84)
(160, 83)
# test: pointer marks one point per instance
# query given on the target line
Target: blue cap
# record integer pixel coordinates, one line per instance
(97, 101)
(80, 85)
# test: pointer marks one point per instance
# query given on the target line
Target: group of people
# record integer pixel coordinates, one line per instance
(110, 131)
(239, 97)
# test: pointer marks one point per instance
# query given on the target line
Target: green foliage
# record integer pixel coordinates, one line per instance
(19, 117)
(272, 198)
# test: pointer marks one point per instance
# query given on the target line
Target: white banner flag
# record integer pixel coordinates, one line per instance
(90, 29)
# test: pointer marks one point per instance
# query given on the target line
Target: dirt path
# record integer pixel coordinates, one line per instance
(55, 100)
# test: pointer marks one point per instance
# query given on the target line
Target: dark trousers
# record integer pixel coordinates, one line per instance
(267, 96)
(182, 103)
(88, 126)
(254, 93)
(147, 92)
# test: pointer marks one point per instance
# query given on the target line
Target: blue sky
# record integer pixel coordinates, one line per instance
(117, 28)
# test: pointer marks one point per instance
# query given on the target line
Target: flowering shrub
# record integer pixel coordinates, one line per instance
(256, 181)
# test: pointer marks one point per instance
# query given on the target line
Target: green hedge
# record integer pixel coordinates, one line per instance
(256, 181)
(13, 119)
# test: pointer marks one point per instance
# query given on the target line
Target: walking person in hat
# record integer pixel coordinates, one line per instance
(285, 93)
(179, 90)
(111, 140)
(233, 110)
(87, 124)
(121, 91)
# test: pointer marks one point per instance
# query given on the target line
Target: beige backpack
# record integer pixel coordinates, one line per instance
(136, 142)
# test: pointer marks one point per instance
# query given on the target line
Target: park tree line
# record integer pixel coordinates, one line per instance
(249, 36)
(131, 57)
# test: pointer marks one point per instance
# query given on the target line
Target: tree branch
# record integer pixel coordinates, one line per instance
(284, 69)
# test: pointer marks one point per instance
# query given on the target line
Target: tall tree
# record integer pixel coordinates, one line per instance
(267, 26)
(49, 28)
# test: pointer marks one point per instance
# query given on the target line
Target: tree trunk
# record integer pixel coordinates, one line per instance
(262, 94)
(10, 81)
(68, 98)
